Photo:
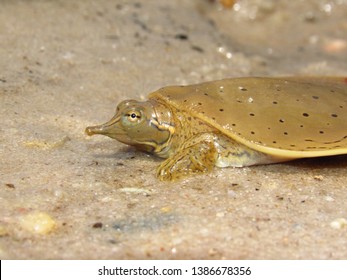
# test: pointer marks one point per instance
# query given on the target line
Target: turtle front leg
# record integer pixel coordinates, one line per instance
(197, 155)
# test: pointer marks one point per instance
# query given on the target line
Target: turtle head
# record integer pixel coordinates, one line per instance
(145, 125)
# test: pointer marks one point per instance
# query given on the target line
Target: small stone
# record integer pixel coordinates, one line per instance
(232, 193)
(338, 223)
(135, 190)
(38, 223)
(318, 177)
(220, 214)
(97, 225)
(3, 231)
(165, 209)
(329, 198)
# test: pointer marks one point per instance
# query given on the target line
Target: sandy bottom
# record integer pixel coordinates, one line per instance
(66, 64)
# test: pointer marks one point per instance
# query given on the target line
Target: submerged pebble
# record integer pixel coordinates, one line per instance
(38, 223)
(338, 223)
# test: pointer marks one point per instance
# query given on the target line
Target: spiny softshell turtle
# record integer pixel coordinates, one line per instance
(235, 122)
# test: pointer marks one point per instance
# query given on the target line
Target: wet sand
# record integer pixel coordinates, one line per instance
(66, 64)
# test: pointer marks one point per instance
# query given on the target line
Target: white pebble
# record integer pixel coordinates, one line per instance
(329, 198)
(338, 223)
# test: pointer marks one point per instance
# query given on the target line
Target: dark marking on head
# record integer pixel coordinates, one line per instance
(334, 115)
(281, 120)
(251, 114)
(305, 114)
(274, 102)
(221, 110)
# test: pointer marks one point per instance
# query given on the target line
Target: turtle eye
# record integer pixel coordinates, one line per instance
(132, 117)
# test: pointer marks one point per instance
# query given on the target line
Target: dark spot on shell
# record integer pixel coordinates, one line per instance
(341, 106)
(297, 100)
(269, 128)
(274, 142)
(251, 114)
(242, 89)
(285, 133)
(185, 100)
(206, 93)
(332, 90)
(281, 120)
(292, 145)
(199, 103)
(321, 132)
(308, 140)
(189, 118)
(252, 132)
(239, 101)
(334, 115)
(301, 125)
(234, 124)
(221, 110)
(274, 102)
(315, 97)
(305, 114)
